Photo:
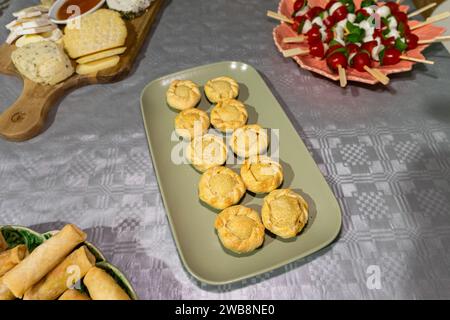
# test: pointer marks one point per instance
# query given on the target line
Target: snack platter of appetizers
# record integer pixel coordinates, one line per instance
(361, 40)
(54, 54)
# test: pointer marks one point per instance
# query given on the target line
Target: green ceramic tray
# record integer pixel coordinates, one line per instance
(15, 235)
(193, 223)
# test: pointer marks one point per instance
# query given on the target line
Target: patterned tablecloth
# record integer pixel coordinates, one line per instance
(384, 151)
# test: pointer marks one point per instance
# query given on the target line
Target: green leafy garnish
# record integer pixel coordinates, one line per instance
(360, 17)
(400, 44)
(356, 34)
(381, 55)
(367, 3)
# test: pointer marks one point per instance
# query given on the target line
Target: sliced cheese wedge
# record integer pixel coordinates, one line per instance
(22, 32)
(101, 55)
(96, 66)
(25, 14)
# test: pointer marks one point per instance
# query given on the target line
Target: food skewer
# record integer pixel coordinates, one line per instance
(437, 39)
(297, 39)
(342, 76)
(416, 60)
(279, 16)
(294, 52)
(419, 11)
(377, 75)
(431, 20)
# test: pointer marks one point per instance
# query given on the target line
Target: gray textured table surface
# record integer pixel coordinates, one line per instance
(385, 153)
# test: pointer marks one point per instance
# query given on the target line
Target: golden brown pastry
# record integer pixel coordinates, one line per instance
(206, 152)
(183, 94)
(72, 294)
(191, 123)
(12, 257)
(261, 174)
(220, 187)
(240, 229)
(249, 140)
(229, 115)
(221, 88)
(284, 213)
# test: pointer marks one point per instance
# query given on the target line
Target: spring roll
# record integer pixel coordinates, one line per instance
(5, 294)
(72, 294)
(3, 244)
(42, 260)
(63, 277)
(102, 286)
(10, 258)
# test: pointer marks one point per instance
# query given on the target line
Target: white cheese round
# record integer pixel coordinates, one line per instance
(335, 6)
(383, 11)
(134, 6)
(351, 17)
(318, 21)
(306, 26)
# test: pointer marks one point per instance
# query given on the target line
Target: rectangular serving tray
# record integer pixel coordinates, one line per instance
(192, 223)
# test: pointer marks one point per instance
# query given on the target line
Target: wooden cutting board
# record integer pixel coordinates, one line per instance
(26, 118)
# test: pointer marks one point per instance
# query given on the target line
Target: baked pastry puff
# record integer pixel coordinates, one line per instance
(220, 187)
(191, 123)
(249, 140)
(261, 174)
(183, 94)
(229, 115)
(206, 151)
(240, 229)
(221, 88)
(284, 213)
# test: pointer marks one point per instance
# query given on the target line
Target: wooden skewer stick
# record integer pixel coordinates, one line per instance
(342, 76)
(430, 20)
(437, 39)
(416, 60)
(294, 52)
(279, 16)
(377, 75)
(294, 39)
(419, 11)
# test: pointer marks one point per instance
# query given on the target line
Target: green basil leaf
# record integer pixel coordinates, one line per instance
(381, 55)
(400, 44)
(367, 3)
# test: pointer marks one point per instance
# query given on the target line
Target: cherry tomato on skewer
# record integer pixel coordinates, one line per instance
(368, 46)
(391, 56)
(317, 49)
(401, 17)
(394, 7)
(329, 36)
(352, 48)
(298, 22)
(340, 13)
(329, 4)
(329, 22)
(335, 60)
(313, 12)
(360, 60)
(314, 34)
(299, 4)
(412, 41)
(389, 42)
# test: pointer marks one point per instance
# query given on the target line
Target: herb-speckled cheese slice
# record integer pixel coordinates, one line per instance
(43, 62)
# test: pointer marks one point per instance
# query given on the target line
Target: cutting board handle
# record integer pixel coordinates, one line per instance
(26, 117)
